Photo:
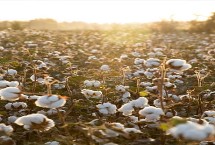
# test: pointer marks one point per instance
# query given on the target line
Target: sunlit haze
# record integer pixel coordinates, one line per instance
(104, 11)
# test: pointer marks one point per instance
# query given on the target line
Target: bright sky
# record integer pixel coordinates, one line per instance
(106, 11)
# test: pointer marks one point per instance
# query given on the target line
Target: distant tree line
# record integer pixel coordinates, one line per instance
(164, 26)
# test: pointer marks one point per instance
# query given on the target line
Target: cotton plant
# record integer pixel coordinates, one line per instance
(4, 84)
(107, 108)
(152, 62)
(51, 101)
(11, 72)
(52, 143)
(192, 131)
(11, 119)
(121, 88)
(4, 129)
(209, 116)
(129, 107)
(151, 113)
(38, 122)
(178, 65)
(15, 105)
(10, 93)
(105, 68)
(91, 94)
(92, 83)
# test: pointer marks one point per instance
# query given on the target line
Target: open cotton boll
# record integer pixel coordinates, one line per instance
(141, 102)
(4, 84)
(211, 120)
(52, 143)
(132, 130)
(178, 65)
(209, 113)
(52, 101)
(11, 72)
(91, 94)
(126, 109)
(151, 113)
(15, 105)
(107, 108)
(10, 93)
(157, 103)
(176, 62)
(13, 84)
(88, 83)
(139, 61)
(126, 96)
(11, 119)
(105, 67)
(192, 131)
(152, 62)
(121, 88)
(6, 129)
(92, 83)
(36, 122)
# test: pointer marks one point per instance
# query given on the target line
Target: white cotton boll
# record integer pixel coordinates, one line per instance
(34, 97)
(52, 98)
(134, 119)
(88, 83)
(151, 89)
(12, 119)
(124, 56)
(107, 108)
(152, 117)
(96, 84)
(58, 103)
(13, 84)
(141, 102)
(151, 54)
(145, 84)
(126, 109)
(177, 81)
(121, 88)
(51, 112)
(126, 95)
(157, 103)
(186, 67)
(136, 54)
(41, 112)
(132, 130)
(6, 129)
(8, 106)
(10, 93)
(52, 143)
(152, 62)
(4, 84)
(103, 111)
(11, 72)
(192, 131)
(105, 68)
(151, 110)
(209, 113)
(28, 122)
(211, 120)
(157, 49)
(53, 101)
(139, 61)
(27, 127)
(176, 62)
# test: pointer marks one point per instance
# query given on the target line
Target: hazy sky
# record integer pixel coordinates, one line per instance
(101, 11)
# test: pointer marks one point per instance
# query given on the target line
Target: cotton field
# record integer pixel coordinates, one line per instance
(106, 88)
